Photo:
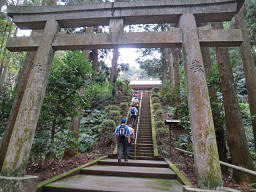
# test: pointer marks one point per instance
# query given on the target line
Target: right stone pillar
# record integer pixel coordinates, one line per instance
(206, 159)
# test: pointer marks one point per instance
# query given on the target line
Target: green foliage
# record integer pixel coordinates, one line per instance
(112, 108)
(90, 129)
(153, 67)
(97, 95)
(70, 87)
(245, 111)
(108, 127)
(183, 112)
(155, 95)
(166, 96)
(182, 142)
(124, 108)
(251, 18)
(115, 116)
(123, 88)
(159, 115)
(159, 125)
(86, 142)
(162, 131)
(6, 99)
(155, 91)
(171, 111)
(156, 106)
(125, 99)
(155, 100)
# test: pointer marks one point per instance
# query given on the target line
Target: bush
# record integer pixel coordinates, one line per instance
(155, 100)
(115, 116)
(125, 98)
(156, 106)
(112, 108)
(155, 90)
(159, 125)
(108, 127)
(124, 108)
(86, 142)
(162, 132)
(159, 115)
(153, 95)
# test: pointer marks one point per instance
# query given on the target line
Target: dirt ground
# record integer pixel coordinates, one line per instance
(185, 164)
(46, 169)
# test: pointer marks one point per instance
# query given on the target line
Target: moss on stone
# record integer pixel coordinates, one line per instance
(181, 177)
(65, 174)
(153, 131)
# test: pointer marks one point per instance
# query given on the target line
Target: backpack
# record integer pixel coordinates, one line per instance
(135, 101)
(133, 111)
(122, 131)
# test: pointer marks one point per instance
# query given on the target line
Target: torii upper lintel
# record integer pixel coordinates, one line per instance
(136, 12)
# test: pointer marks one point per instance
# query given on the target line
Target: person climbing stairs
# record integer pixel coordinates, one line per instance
(143, 173)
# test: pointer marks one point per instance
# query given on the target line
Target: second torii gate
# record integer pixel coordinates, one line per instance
(186, 13)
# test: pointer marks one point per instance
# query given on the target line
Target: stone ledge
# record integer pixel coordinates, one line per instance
(193, 189)
(18, 184)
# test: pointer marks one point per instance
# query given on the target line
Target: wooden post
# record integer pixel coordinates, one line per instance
(207, 166)
(17, 155)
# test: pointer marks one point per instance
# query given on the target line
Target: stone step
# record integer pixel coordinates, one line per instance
(144, 137)
(135, 163)
(145, 141)
(144, 148)
(130, 171)
(84, 183)
(142, 154)
(144, 157)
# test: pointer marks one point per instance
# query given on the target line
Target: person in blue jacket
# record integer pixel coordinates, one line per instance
(122, 138)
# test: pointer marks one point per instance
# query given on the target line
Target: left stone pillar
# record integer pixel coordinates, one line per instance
(18, 151)
(206, 159)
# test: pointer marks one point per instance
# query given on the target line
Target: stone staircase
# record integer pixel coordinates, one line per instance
(145, 174)
(144, 147)
(107, 175)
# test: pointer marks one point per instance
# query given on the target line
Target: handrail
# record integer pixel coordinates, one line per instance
(137, 128)
(242, 169)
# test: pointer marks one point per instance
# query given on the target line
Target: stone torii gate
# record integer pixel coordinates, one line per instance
(23, 119)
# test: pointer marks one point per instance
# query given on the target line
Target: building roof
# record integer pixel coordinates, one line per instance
(156, 82)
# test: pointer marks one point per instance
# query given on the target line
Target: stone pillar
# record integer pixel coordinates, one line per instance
(207, 167)
(17, 155)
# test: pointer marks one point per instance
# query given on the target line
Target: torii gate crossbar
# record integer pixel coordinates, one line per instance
(185, 13)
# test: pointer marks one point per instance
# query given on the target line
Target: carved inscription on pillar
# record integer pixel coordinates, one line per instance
(196, 66)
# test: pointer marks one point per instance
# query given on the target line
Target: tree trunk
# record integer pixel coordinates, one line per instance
(171, 72)
(176, 64)
(3, 69)
(3, 76)
(3, 39)
(249, 67)
(95, 65)
(235, 133)
(218, 124)
(164, 58)
(113, 74)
